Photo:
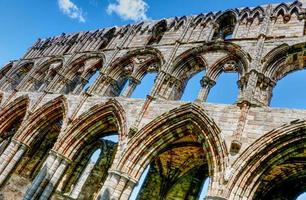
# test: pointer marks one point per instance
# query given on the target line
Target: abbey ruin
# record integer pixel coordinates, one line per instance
(53, 120)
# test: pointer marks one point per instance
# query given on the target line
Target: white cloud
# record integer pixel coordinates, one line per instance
(71, 10)
(129, 9)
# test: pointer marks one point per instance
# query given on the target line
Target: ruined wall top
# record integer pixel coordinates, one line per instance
(163, 31)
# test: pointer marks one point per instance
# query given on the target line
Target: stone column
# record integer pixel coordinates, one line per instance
(131, 87)
(213, 27)
(40, 176)
(4, 144)
(117, 186)
(160, 85)
(81, 181)
(12, 163)
(206, 84)
(78, 89)
(47, 178)
(54, 180)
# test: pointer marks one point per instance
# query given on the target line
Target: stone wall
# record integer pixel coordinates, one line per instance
(52, 118)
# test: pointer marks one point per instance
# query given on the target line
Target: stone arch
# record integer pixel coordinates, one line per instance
(177, 23)
(197, 20)
(54, 109)
(233, 49)
(226, 24)
(281, 9)
(44, 73)
(17, 74)
(258, 12)
(35, 138)
(12, 116)
(81, 139)
(14, 109)
(155, 136)
(157, 32)
(111, 113)
(193, 57)
(283, 60)
(228, 64)
(76, 63)
(5, 70)
(244, 14)
(79, 70)
(131, 68)
(265, 165)
(210, 17)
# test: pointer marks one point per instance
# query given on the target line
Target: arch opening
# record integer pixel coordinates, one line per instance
(285, 178)
(284, 68)
(285, 93)
(278, 166)
(143, 89)
(80, 75)
(225, 90)
(215, 60)
(43, 76)
(185, 71)
(177, 172)
(86, 174)
(193, 87)
(17, 76)
(180, 152)
(12, 117)
(40, 134)
(132, 72)
(226, 26)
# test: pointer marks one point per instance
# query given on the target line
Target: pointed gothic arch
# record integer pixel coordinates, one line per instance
(261, 171)
(168, 127)
(192, 61)
(14, 109)
(130, 69)
(106, 118)
(82, 138)
(12, 116)
(53, 110)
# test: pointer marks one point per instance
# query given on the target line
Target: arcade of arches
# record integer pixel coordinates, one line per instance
(70, 127)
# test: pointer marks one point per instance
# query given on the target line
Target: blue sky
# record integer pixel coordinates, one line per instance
(23, 22)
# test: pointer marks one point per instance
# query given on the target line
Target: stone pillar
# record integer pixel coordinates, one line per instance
(11, 161)
(47, 178)
(160, 85)
(81, 181)
(117, 186)
(206, 84)
(131, 87)
(54, 180)
(40, 176)
(213, 27)
(237, 137)
(4, 144)
(78, 89)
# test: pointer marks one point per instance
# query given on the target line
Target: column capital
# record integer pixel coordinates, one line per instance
(207, 81)
(123, 175)
(134, 80)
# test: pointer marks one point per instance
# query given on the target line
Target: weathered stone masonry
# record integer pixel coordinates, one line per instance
(52, 121)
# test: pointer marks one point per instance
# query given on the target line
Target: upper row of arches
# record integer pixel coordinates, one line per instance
(126, 72)
(72, 76)
(77, 74)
